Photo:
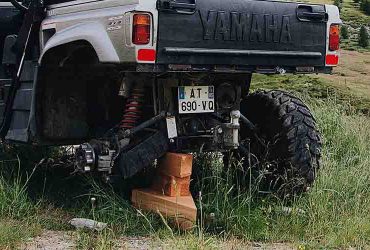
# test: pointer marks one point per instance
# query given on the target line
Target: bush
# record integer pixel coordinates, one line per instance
(344, 32)
(365, 6)
(339, 4)
(363, 38)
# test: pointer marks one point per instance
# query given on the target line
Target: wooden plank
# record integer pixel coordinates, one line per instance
(178, 165)
(182, 209)
(171, 186)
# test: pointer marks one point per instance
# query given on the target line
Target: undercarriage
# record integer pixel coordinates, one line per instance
(271, 134)
(73, 82)
(192, 112)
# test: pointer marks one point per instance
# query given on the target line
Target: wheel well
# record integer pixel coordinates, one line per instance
(77, 52)
(76, 96)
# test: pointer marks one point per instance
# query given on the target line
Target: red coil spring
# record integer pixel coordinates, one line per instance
(133, 109)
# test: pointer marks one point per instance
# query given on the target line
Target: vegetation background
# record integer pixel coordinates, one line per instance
(37, 199)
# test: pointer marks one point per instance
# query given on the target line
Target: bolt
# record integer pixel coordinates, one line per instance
(219, 130)
(87, 169)
(235, 114)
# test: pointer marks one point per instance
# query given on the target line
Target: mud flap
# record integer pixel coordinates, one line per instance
(21, 113)
(142, 155)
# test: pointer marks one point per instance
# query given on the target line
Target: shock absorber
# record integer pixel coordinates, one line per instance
(133, 110)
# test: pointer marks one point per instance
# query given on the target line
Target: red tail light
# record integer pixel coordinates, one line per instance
(334, 37)
(141, 29)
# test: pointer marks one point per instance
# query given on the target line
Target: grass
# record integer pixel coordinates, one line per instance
(348, 91)
(353, 18)
(14, 231)
(16, 212)
(337, 208)
(351, 76)
(336, 211)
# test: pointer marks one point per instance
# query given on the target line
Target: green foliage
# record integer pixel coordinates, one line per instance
(344, 32)
(335, 211)
(12, 232)
(365, 6)
(363, 37)
(339, 4)
(353, 17)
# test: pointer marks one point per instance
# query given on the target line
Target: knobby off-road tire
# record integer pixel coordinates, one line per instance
(288, 162)
(142, 155)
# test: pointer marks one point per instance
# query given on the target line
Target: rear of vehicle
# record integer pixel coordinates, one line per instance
(208, 50)
(213, 47)
(146, 77)
(254, 36)
(204, 55)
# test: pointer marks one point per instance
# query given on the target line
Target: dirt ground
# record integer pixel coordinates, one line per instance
(59, 240)
(56, 240)
(353, 73)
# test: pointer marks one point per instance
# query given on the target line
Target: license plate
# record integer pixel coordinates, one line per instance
(196, 99)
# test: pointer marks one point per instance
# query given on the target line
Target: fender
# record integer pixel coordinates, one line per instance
(91, 32)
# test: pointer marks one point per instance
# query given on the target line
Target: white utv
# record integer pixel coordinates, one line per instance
(130, 80)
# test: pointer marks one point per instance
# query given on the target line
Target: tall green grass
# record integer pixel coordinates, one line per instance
(338, 208)
(335, 213)
(16, 208)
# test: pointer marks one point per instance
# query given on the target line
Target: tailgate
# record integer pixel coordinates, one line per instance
(241, 32)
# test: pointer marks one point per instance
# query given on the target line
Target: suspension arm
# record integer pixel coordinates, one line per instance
(122, 134)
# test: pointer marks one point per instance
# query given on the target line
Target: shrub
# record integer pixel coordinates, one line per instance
(365, 6)
(339, 4)
(363, 38)
(344, 32)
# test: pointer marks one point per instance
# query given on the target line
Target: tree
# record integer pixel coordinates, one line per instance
(339, 4)
(365, 6)
(344, 32)
(363, 38)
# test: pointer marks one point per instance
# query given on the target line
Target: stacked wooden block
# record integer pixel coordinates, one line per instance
(170, 193)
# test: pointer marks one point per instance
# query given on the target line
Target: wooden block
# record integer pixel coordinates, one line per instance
(180, 209)
(171, 185)
(178, 165)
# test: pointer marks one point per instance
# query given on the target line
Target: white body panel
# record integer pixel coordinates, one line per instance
(106, 25)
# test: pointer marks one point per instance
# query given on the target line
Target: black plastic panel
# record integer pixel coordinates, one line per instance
(5, 85)
(10, 22)
(242, 32)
